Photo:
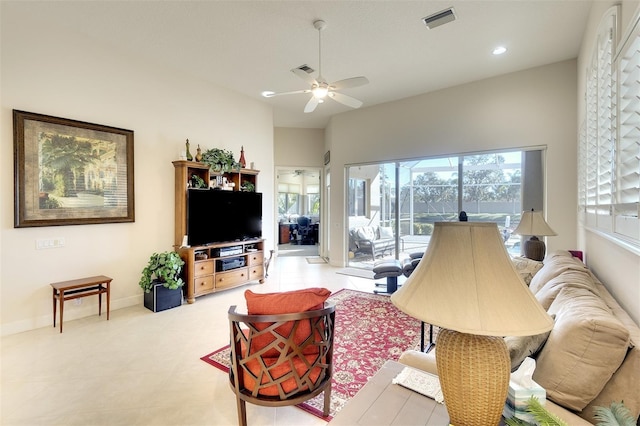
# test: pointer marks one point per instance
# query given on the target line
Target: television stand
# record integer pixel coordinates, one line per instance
(205, 271)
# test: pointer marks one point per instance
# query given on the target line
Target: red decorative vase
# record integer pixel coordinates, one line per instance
(242, 161)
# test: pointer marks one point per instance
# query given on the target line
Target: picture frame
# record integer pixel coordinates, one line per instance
(69, 172)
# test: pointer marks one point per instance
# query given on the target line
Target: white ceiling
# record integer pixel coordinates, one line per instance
(250, 46)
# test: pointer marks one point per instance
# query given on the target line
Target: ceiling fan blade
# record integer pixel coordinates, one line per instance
(345, 100)
(349, 82)
(312, 104)
(272, 94)
(304, 75)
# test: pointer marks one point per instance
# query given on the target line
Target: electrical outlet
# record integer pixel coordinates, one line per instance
(48, 243)
(77, 302)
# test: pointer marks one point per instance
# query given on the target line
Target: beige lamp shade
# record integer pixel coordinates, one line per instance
(467, 282)
(533, 223)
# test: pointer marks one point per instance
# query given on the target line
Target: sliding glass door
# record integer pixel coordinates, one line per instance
(402, 200)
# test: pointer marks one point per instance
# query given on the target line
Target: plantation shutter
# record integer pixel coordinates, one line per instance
(628, 144)
(591, 148)
(604, 124)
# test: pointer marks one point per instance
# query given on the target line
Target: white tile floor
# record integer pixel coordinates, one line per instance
(141, 368)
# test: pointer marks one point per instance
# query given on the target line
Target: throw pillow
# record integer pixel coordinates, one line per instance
(521, 347)
(586, 346)
(571, 278)
(287, 302)
(554, 265)
(385, 232)
(527, 268)
(366, 233)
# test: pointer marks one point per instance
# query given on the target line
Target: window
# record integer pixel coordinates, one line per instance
(609, 149)
(313, 199)
(357, 197)
(409, 196)
(627, 176)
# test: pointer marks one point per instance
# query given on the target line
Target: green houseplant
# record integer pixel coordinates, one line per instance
(248, 186)
(220, 160)
(539, 413)
(164, 267)
(161, 281)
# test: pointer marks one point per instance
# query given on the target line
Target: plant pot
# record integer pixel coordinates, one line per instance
(161, 298)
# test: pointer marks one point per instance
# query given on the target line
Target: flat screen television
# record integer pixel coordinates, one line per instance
(215, 216)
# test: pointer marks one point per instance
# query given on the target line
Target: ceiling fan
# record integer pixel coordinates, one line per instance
(320, 89)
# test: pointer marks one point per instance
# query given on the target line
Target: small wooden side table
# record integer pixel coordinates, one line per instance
(82, 287)
(380, 402)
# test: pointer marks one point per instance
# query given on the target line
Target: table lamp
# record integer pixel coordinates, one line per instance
(467, 285)
(533, 223)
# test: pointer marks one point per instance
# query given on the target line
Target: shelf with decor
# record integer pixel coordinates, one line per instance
(189, 174)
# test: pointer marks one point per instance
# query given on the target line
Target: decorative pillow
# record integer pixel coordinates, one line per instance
(571, 278)
(385, 232)
(527, 268)
(554, 265)
(366, 233)
(586, 346)
(521, 347)
(287, 302)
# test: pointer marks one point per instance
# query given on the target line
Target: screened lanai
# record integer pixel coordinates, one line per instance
(395, 204)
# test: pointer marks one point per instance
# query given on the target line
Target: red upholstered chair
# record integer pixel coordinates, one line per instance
(279, 357)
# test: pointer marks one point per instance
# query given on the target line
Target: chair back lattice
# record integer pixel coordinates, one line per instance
(284, 359)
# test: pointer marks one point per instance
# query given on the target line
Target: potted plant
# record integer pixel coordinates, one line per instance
(248, 186)
(197, 182)
(161, 281)
(220, 160)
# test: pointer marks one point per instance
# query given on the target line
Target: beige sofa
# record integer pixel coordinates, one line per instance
(591, 357)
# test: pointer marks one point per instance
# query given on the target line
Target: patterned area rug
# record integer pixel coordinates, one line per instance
(369, 330)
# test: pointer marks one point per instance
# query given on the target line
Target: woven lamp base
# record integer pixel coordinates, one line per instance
(474, 375)
(534, 249)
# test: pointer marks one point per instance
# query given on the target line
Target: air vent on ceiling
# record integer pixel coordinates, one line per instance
(439, 18)
(306, 68)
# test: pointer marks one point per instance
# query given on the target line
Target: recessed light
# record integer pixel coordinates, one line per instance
(499, 50)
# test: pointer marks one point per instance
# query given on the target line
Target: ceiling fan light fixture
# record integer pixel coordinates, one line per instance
(320, 92)
(318, 87)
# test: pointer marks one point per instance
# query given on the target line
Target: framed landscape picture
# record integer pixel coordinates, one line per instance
(69, 172)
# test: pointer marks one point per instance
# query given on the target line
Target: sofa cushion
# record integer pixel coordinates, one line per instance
(521, 347)
(554, 265)
(586, 346)
(526, 268)
(570, 278)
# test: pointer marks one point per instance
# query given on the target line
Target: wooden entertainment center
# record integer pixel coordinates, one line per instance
(219, 265)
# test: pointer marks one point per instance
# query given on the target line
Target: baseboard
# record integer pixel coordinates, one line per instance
(71, 312)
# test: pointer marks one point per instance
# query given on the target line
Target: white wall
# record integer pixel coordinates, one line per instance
(617, 266)
(48, 71)
(535, 107)
(299, 147)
